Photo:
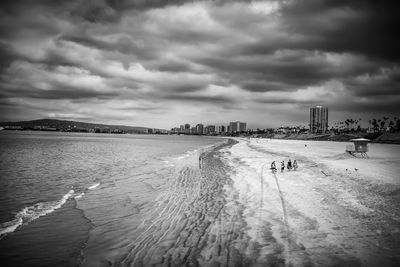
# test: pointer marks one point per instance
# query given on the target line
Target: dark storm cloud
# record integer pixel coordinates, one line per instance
(60, 92)
(212, 53)
(200, 98)
(112, 10)
(285, 100)
(377, 106)
(259, 85)
(124, 45)
(6, 56)
(295, 72)
(284, 70)
(184, 88)
(142, 108)
(384, 83)
(358, 26)
(170, 66)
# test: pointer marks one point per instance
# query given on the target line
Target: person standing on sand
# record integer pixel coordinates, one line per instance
(289, 165)
(200, 162)
(282, 166)
(273, 167)
(294, 164)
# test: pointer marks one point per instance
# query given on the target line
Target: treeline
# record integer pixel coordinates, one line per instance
(376, 125)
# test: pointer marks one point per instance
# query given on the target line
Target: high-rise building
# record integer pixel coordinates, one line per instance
(210, 129)
(233, 127)
(318, 119)
(220, 129)
(242, 127)
(200, 128)
(187, 128)
(237, 126)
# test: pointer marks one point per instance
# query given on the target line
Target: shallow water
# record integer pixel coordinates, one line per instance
(68, 198)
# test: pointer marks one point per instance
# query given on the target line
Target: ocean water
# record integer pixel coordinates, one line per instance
(70, 199)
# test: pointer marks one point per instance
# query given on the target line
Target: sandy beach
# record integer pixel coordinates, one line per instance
(334, 210)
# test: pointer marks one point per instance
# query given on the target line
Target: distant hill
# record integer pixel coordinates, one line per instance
(64, 125)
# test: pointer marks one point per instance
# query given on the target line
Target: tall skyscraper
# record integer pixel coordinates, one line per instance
(199, 128)
(318, 119)
(187, 128)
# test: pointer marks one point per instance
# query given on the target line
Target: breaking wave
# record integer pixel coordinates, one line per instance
(31, 213)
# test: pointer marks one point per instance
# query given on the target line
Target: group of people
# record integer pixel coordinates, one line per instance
(290, 165)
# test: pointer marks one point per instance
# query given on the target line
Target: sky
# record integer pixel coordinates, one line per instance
(161, 63)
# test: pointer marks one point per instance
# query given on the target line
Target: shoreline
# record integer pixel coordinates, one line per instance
(384, 138)
(186, 226)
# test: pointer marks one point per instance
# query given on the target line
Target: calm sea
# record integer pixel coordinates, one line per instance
(68, 198)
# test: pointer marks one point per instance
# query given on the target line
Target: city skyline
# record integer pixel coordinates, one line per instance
(200, 128)
(163, 63)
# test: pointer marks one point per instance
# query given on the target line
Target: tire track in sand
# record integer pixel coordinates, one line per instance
(285, 215)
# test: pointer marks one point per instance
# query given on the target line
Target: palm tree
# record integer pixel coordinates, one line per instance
(358, 126)
(347, 123)
(383, 125)
(391, 124)
(398, 124)
(375, 124)
(352, 123)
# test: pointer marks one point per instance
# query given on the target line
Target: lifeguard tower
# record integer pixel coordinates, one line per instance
(360, 146)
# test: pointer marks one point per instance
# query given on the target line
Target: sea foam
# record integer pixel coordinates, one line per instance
(79, 196)
(31, 213)
(93, 186)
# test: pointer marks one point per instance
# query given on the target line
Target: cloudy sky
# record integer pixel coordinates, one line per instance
(162, 63)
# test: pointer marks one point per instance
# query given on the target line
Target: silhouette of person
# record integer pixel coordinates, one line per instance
(273, 167)
(200, 162)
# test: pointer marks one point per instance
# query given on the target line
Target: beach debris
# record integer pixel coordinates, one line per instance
(325, 173)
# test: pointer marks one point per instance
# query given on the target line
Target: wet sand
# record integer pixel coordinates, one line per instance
(196, 221)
